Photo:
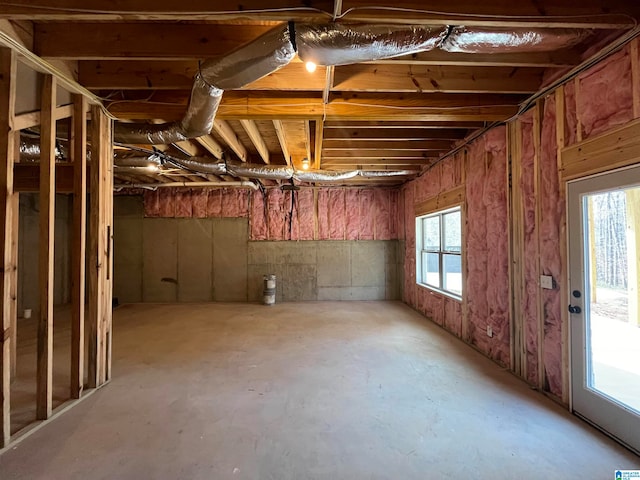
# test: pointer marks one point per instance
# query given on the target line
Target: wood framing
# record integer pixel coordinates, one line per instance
(450, 198)
(78, 251)
(538, 115)
(8, 67)
(617, 148)
(45, 249)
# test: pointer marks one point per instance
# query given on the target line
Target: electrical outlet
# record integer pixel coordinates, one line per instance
(546, 281)
(489, 331)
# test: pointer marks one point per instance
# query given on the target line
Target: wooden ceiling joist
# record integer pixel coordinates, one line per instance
(178, 75)
(539, 13)
(418, 78)
(256, 138)
(355, 134)
(400, 145)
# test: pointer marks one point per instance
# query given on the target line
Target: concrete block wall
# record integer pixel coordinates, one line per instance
(212, 259)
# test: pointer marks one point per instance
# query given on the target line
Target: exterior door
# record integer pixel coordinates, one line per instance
(604, 257)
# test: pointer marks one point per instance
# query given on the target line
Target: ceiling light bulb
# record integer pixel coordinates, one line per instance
(152, 167)
(305, 164)
(310, 66)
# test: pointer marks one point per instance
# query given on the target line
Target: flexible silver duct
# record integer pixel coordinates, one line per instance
(267, 172)
(30, 149)
(385, 173)
(483, 40)
(323, 175)
(338, 44)
(198, 120)
(264, 55)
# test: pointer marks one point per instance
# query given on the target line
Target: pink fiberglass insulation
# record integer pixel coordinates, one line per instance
(323, 214)
(167, 202)
(530, 260)
(434, 305)
(570, 114)
(487, 282)
(337, 214)
(410, 246)
(367, 216)
(381, 213)
(605, 98)
(551, 213)
(428, 185)
(258, 220)
(235, 203)
(152, 203)
(276, 214)
(214, 204)
(352, 214)
(453, 316)
(183, 203)
(394, 213)
(306, 214)
(199, 199)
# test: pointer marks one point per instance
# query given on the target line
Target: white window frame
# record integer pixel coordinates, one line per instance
(420, 250)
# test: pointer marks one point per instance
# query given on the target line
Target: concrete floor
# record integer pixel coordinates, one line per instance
(330, 390)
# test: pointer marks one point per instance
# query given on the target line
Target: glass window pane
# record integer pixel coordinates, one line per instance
(452, 269)
(452, 235)
(431, 233)
(431, 269)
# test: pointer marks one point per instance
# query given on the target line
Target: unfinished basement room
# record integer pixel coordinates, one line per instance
(320, 239)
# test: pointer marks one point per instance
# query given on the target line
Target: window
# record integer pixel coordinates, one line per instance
(439, 251)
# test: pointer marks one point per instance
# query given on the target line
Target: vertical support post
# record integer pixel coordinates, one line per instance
(537, 141)
(79, 158)
(96, 247)
(516, 269)
(8, 67)
(108, 231)
(564, 276)
(13, 277)
(46, 246)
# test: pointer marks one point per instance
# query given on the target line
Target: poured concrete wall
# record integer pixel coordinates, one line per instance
(212, 259)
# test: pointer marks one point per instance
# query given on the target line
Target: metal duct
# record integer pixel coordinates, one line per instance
(266, 172)
(385, 173)
(323, 175)
(337, 44)
(198, 120)
(30, 149)
(496, 40)
(264, 55)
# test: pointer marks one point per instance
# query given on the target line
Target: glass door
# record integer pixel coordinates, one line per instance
(604, 257)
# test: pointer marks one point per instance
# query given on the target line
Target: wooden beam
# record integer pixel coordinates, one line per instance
(27, 178)
(78, 149)
(97, 245)
(533, 13)
(225, 131)
(420, 78)
(256, 138)
(211, 145)
(366, 134)
(178, 75)
(309, 139)
(319, 138)
(44, 374)
(378, 153)
(32, 119)
(558, 59)
(399, 124)
(282, 139)
(141, 40)
(635, 76)
(8, 69)
(498, 13)
(398, 145)
(396, 162)
(434, 107)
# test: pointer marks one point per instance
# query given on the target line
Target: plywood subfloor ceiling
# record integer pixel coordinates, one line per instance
(395, 114)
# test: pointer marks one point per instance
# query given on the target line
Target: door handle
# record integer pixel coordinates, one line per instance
(574, 309)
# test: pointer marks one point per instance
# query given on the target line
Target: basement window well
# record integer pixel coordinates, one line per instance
(439, 251)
